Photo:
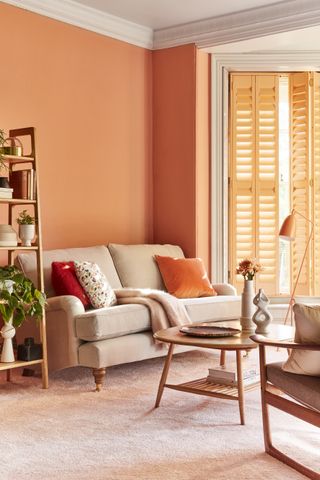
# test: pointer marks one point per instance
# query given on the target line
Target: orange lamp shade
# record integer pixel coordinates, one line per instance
(288, 228)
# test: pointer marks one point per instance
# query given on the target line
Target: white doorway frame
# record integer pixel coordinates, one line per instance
(221, 65)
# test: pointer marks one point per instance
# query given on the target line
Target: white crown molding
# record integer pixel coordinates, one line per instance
(256, 22)
(90, 19)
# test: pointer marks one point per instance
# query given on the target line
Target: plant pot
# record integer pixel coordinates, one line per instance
(26, 234)
(7, 332)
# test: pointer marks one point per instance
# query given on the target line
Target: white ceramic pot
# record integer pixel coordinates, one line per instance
(26, 234)
(7, 332)
(247, 307)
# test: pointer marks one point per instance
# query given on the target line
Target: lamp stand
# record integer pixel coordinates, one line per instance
(292, 301)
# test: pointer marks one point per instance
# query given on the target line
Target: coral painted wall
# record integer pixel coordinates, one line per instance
(174, 82)
(181, 149)
(89, 98)
(122, 133)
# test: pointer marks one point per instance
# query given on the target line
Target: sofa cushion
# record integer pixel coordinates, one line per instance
(185, 277)
(307, 321)
(136, 265)
(205, 309)
(95, 284)
(65, 282)
(112, 322)
(98, 254)
(304, 388)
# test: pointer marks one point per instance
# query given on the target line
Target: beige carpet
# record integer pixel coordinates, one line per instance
(70, 432)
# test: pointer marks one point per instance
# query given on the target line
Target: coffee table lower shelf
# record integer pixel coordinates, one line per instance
(203, 387)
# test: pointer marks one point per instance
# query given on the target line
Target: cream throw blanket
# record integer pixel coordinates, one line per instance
(165, 310)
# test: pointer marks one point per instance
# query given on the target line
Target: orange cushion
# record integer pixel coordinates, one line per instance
(185, 277)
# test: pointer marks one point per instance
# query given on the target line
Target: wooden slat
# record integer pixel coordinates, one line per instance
(300, 165)
(267, 216)
(242, 173)
(253, 189)
(18, 364)
(315, 186)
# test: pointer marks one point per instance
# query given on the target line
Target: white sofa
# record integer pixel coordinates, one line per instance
(121, 333)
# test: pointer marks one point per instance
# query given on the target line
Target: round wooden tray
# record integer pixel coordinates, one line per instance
(210, 331)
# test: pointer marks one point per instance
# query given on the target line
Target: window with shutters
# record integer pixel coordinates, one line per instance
(274, 167)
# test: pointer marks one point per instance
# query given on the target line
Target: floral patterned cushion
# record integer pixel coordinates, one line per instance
(95, 284)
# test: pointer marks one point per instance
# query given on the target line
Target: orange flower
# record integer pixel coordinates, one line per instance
(248, 267)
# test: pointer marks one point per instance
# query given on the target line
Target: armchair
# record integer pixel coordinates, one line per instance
(303, 389)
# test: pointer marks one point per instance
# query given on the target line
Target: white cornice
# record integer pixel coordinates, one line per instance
(256, 22)
(90, 19)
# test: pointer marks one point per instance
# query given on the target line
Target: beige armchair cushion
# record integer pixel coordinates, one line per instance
(136, 265)
(303, 388)
(305, 362)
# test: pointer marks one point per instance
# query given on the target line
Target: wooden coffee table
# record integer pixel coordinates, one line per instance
(239, 343)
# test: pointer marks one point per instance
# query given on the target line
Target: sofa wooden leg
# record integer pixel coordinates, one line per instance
(99, 374)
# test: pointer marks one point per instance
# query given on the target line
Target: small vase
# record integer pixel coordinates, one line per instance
(26, 234)
(7, 332)
(262, 317)
(247, 307)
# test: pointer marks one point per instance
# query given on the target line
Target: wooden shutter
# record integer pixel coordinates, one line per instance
(242, 228)
(300, 184)
(253, 219)
(267, 213)
(315, 142)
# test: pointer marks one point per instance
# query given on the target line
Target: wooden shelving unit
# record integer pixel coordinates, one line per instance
(30, 161)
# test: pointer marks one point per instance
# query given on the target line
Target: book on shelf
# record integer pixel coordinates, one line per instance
(19, 183)
(23, 183)
(221, 372)
(229, 377)
(31, 195)
(233, 383)
(6, 192)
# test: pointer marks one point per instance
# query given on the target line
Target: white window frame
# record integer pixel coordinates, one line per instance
(221, 65)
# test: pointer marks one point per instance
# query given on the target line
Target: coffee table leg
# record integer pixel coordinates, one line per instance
(240, 386)
(164, 375)
(222, 358)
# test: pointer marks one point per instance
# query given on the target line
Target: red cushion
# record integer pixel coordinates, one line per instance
(65, 282)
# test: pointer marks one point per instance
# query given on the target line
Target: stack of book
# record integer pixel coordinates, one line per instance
(221, 376)
(6, 192)
(23, 183)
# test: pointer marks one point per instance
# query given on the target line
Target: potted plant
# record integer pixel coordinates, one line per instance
(26, 228)
(18, 299)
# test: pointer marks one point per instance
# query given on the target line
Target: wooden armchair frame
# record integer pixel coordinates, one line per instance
(272, 395)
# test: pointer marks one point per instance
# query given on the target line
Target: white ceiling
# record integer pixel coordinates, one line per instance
(226, 25)
(158, 14)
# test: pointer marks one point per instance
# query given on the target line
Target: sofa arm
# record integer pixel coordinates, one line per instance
(224, 289)
(63, 343)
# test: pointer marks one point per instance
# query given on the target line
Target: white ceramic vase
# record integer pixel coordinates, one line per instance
(262, 317)
(26, 234)
(7, 332)
(247, 307)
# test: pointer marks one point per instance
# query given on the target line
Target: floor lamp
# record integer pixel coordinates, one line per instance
(288, 232)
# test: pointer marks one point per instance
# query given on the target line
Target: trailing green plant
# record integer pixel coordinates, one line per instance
(18, 297)
(25, 219)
